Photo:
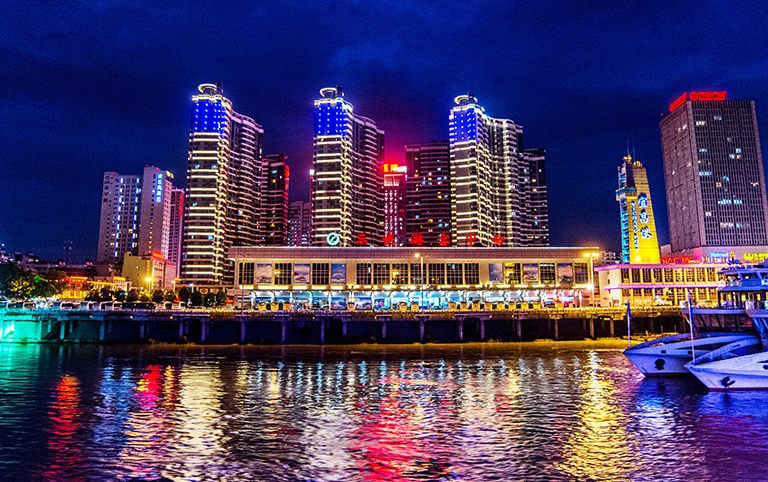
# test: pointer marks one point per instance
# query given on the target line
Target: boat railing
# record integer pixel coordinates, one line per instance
(660, 341)
(728, 351)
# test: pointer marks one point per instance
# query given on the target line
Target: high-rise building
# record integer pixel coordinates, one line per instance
(713, 170)
(428, 197)
(156, 212)
(299, 224)
(120, 218)
(394, 204)
(347, 183)
(534, 208)
(487, 192)
(176, 226)
(639, 243)
(274, 202)
(223, 181)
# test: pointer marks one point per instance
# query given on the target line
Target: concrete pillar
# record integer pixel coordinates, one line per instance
(651, 325)
(460, 324)
(181, 328)
(40, 330)
(203, 330)
(482, 329)
(242, 330)
(613, 327)
(344, 326)
(322, 331)
(284, 329)
(421, 329)
(101, 330)
(556, 324)
(591, 327)
(519, 329)
(62, 329)
(2, 329)
(383, 328)
(142, 328)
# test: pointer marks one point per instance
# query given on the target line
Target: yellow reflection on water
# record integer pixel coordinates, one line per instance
(597, 448)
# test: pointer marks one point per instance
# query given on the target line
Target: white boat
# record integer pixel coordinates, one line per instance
(741, 365)
(669, 355)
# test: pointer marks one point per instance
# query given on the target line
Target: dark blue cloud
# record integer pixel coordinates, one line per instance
(95, 86)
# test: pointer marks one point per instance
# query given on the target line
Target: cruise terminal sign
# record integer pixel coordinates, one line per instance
(696, 96)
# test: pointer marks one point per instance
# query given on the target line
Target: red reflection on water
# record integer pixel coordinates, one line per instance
(67, 454)
(392, 440)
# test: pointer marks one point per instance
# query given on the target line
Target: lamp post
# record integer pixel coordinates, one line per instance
(149, 284)
(421, 277)
(591, 257)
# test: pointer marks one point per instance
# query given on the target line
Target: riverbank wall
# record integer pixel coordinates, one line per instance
(329, 327)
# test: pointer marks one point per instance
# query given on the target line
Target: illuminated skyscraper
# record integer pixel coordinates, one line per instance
(347, 181)
(713, 168)
(176, 235)
(299, 224)
(394, 204)
(428, 206)
(120, 218)
(274, 202)
(486, 165)
(534, 208)
(638, 228)
(223, 181)
(156, 205)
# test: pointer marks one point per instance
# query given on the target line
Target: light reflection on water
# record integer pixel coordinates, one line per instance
(543, 411)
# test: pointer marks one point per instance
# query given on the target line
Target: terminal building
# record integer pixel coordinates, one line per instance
(423, 278)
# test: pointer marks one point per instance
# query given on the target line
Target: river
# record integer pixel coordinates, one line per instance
(570, 411)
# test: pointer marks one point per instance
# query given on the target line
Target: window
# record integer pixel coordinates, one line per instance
(381, 274)
(512, 274)
(399, 273)
(453, 274)
(657, 275)
(646, 275)
(283, 273)
(581, 273)
(246, 274)
(472, 273)
(547, 273)
(364, 273)
(436, 273)
(416, 278)
(689, 275)
(625, 276)
(320, 274)
(635, 275)
(667, 275)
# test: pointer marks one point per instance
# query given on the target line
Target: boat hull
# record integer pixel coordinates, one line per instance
(659, 365)
(748, 372)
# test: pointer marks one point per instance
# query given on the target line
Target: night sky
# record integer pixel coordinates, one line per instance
(89, 87)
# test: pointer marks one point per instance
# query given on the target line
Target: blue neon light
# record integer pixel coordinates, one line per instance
(464, 126)
(331, 120)
(208, 115)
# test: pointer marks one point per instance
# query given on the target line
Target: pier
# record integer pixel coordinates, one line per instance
(330, 327)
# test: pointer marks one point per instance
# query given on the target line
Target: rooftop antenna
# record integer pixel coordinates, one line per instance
(634, 156)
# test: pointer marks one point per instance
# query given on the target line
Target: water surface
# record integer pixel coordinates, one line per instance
(477, 412)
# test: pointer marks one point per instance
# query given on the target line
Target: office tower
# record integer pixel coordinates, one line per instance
(120, 218)
(274, 202)
(156, 205)
(534, 209)
(347, 182)
(713, 170)
(485, 164)
(244, 183)
(428, 198)
(223, 179)
(639, 243)
(176, 234)
(394, 204)
(300, 224)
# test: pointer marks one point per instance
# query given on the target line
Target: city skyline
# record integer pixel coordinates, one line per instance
(107, 88)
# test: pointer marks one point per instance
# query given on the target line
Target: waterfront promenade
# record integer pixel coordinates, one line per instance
(329, 327)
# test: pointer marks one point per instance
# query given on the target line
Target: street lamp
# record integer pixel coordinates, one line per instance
(149, 283)
(591, 257)
(421, 277)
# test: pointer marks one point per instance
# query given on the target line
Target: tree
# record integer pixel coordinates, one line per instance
(93, 295)
(221, 297)
(144, 296)
(132, 296)
(120, 295)
(170, 295)
(210, 299)
(184, 294)
(106, 294)
(158, 296)
(196, 298)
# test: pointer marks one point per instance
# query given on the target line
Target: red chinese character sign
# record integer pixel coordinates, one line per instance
(498, 240)
(471, 238)
(417, 239)
(388, 240)
(444, 240)
(361, 239)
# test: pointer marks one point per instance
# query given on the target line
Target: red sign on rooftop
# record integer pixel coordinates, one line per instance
(696, 96)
